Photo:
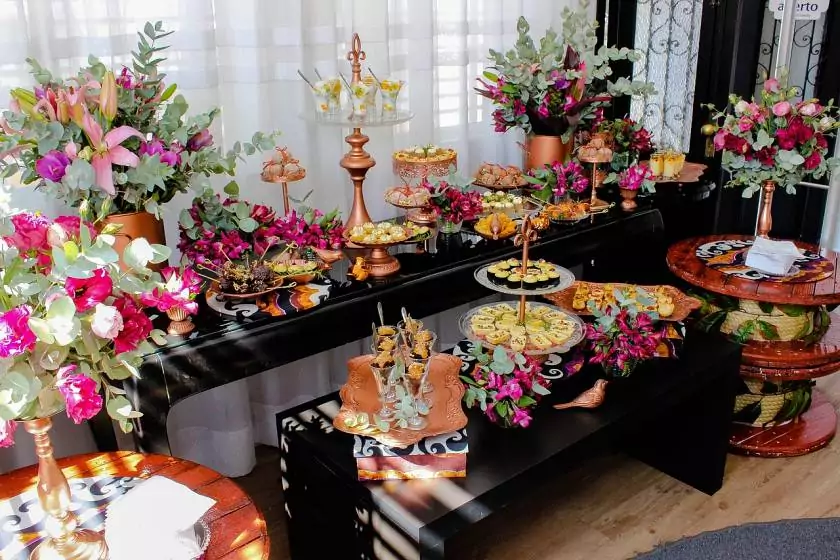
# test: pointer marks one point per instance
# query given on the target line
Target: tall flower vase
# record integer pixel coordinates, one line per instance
(64, 540)
(765, 213)
(446, 227)
(134, 225)
(544, 150)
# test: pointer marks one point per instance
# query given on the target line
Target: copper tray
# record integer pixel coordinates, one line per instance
(683, 304)
(691, 173)
(521, 185)
(359, 394)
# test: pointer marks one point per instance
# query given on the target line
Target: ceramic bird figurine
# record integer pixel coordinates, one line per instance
(591, 398)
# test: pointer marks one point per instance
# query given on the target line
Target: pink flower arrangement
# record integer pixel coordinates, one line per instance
(212, 230)
(178, 290)
(452, 201)
(635, 178)
(69, 319)
(775, 137)
(7, 433)
(622, 336)
(557, 179)
(506, 386)
(112, 141)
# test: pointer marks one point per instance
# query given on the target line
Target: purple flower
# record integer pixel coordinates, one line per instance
(15, 334)
(170, 158)
(521, 417)
(155, 147)
(200, 140)
(53, 165)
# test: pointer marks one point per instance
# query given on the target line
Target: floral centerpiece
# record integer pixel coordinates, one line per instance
(70, 321)
(629, 139)
(553, 88)
(623, 334)
(557, 180)
(452, 201)
(505, 386)
(774, 138)
(214, 230)
(114, 142)
(176, 296)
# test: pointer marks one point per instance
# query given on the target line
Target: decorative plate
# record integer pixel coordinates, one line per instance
(415, 239)
(521, 185)
(691, 173)
(729, 257)
(577, 336)
(277, 304)
(683, 304)
(565, 280)
(360, 395)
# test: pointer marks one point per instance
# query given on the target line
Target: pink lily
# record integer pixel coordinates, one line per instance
(107, 151)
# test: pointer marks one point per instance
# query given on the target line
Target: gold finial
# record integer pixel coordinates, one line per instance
(355, 56)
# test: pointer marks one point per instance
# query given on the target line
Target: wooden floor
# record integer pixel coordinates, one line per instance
(614, 507)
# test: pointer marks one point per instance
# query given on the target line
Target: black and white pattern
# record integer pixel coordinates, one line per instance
(453, 442)
(552, 367)
(738, 249)
(22, 519)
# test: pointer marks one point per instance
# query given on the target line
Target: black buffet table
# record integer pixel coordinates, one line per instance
(672, 414)
(616, 246)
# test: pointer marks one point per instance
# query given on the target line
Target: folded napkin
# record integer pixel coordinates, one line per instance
(155, 520)
(772, 257)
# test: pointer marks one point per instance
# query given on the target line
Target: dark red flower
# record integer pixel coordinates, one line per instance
(767, 156)
(786, 139)
(813, 161)
(822, 143)
(136, 325)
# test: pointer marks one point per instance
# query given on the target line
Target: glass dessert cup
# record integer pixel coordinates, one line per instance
(416, 371)
(390, 92)
(385, 386)
(407, 331)
(422, 347)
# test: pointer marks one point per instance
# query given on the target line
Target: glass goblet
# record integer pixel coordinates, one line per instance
(418, 370)
(385, 360)
(408, 330)
(423, 346)
(413, 382)
(383, 375)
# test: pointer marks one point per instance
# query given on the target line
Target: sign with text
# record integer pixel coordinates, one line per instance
(805, 9)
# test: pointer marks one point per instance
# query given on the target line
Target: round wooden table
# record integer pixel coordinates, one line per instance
(774, 361)
(237, 527)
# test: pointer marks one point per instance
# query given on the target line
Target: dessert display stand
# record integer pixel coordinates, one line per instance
(527, 235)
(357, 161)
(791, 365)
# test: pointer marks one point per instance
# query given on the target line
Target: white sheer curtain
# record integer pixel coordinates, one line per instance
(243, 55)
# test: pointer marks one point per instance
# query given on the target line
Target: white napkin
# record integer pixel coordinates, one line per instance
(155, 520)
(772, 257)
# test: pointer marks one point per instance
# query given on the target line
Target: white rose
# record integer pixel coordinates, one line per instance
(826, 123)
(741, 107)
(106, 322)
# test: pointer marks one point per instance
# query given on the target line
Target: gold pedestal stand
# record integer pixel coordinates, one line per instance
(64, 540)
(765, 214)
(596, 152)
(524, 238)
(382, 263)
(357, 161)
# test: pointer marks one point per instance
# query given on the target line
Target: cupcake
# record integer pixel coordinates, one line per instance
(543, 280)
(553, 277)
(504, 265)
(514, 263)
(514, 280)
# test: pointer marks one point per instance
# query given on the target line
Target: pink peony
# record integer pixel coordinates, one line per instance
(810, 109)
(15, 335)
(781, 108)
(772, 85)
(81, 398)
(87, 292)
(30, 232)
(136, 325)
(106, 321)
(7, 433)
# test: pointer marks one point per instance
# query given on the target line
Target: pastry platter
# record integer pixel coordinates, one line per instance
(496, 227)
(407, 197)
(689, 173)
(499, 177)
(542, 277)
(360, 398)
(670, 303)
(546, 329)
(567, 211)
(386, 234)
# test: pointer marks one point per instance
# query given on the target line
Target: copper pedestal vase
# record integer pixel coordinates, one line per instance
(64, 540)
(134, 225)
(765, 212)
(544, 150)
(629, 203)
